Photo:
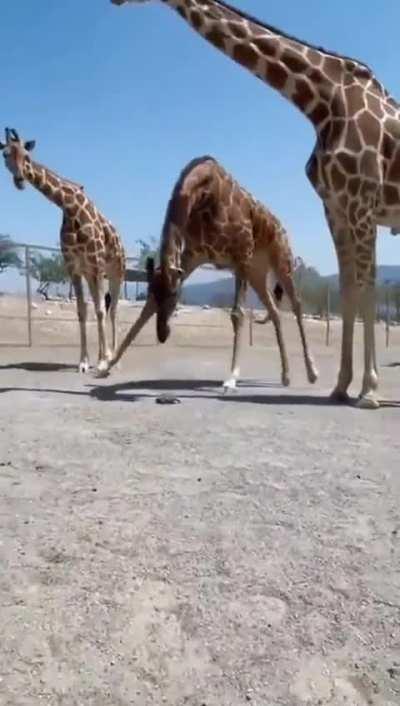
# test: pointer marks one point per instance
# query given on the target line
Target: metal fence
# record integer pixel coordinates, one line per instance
(26, 254)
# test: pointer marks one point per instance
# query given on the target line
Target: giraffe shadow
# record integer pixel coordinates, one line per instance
(32, 366)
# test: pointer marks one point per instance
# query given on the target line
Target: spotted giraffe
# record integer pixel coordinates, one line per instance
(210, 218)
(355, 163)
(90, 244)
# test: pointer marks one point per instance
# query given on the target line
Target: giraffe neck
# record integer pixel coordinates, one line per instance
(57, 189)
(304, 74)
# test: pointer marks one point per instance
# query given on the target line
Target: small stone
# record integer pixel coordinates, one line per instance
(94, 490)
(199, 480)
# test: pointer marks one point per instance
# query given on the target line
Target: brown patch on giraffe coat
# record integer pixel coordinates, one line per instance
(391, 195)
(276, 75)
(333, 68)
(337, 129)
(237, 30)
(394, 170)
(354, 186)
(369, 165)
(338, 179)
(388, 146)
(196, 19)
(319, 113)
(353, 141)
(370, 129)
(348, 162)
(294, 61)
(245, 54)
(303, 94)
(355, 98)
(267, 46)
(314, 57)
(216, 37)
(374, 105)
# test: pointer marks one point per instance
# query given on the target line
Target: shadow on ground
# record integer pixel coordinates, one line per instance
(39, 367)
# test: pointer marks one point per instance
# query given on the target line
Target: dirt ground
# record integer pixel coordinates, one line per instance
(219, 552)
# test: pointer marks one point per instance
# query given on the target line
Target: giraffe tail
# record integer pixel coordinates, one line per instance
(278, 296)
(107, 301)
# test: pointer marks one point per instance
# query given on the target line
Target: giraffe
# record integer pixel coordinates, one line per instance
(210, 218)
(354, 166)
(90, 244)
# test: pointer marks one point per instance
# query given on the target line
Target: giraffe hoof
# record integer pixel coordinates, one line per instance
(340, 397)
(368, 401)
(312, 374)
(103, 369)
(285, 380)
(229, 386)
(83, 366)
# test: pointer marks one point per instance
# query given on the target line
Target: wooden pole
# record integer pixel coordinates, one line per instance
(28, 293)
(328, 316)
(251, 319)
(125, 290)
(387, 324)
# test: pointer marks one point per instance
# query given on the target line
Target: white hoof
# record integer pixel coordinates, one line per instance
(103, 368)
(312, 375)
(229, 386)
(368, 401)
(83, 366)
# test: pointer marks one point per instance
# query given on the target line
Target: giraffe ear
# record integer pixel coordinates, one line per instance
(29, 146)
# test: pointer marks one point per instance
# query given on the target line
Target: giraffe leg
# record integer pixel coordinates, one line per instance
(345, 250)
(237, 318)
(257, 281)
(82, 316)
(96, 286)
(115, 288)
(368, 397)
(290, 289)
(147, 312)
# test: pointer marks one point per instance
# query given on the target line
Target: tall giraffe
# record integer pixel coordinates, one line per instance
(90, 244)
(212, 219)
(355, 163)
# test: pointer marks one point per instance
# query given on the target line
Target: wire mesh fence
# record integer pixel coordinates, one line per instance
(41, 282)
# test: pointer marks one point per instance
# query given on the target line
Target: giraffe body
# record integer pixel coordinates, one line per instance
(211, 219)
(89, 243)
(355, 164)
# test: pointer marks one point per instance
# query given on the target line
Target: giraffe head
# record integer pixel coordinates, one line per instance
(15, 153)
(164, 286)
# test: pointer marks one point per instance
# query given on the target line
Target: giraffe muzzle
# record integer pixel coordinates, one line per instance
(19, 183)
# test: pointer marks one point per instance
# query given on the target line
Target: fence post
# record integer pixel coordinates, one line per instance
(328, 316)
(28, 292)
(387, 323)
(251, 319)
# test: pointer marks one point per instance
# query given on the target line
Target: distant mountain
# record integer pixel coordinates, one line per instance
(220, 292)
(385, 273)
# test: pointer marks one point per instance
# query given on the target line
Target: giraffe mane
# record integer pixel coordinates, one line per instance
(61, 178)
(282, 33)
(177, 187)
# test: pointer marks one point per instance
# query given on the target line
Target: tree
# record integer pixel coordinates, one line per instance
(47, 271)
(8, 254)
(148, 248)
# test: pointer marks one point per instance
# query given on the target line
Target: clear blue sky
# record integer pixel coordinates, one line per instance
(120, 98)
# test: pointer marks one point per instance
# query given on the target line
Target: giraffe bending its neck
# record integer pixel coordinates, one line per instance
(355, 164)
(90, 244)
(211, 219)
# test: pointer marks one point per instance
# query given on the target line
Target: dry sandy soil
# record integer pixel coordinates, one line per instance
(218, 552)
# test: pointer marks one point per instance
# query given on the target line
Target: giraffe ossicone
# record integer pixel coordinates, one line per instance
(90, 245)
(355, 163)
